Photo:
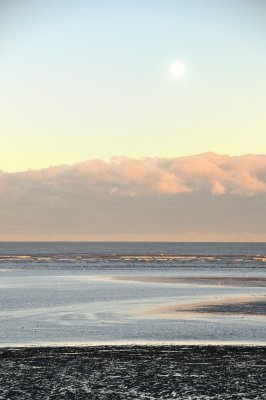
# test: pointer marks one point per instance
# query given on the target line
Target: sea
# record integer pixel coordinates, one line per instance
(83, 293)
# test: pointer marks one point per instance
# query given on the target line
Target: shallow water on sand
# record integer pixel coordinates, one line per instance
(62, 293)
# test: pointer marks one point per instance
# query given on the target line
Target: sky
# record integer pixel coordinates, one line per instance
(99, 140)
(91, 79)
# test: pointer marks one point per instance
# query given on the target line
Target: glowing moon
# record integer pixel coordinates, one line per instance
(177, 69)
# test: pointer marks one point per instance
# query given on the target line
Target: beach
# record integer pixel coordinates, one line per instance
(132, 321)
(134, 372)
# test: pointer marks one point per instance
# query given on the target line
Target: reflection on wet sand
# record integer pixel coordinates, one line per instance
(235, 305)
(229, 305)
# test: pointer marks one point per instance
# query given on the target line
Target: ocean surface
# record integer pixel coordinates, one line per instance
(116, 293)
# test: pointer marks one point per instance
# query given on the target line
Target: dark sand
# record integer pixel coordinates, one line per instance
(232, 305)
(245, 308)
(134, 372)
(229, 305)
(223, 281)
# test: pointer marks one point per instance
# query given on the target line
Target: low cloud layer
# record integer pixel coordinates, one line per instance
(205, 194)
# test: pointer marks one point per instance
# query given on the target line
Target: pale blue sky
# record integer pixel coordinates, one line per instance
(90, 79)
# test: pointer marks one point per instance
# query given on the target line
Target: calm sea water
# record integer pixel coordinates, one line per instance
(103, 248)
(68, 292)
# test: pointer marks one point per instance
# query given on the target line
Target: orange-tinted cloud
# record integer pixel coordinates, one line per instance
(203, 193)
(245, 175)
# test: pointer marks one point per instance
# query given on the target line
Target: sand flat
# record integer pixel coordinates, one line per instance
(248, 305)
(199, 280)
(133, 372)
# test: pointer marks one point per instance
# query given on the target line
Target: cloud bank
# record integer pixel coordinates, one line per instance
(199, 195)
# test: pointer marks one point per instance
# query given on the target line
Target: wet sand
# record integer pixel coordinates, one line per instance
(229, 305)
(221, 281)
(134, 372)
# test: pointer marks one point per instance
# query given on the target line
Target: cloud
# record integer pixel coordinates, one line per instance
(245, 175)
(150, 196)
(217, 174)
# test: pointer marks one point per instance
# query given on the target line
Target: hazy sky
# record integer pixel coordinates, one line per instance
(90, 79)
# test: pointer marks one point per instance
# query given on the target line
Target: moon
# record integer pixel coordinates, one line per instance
(177, 69)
